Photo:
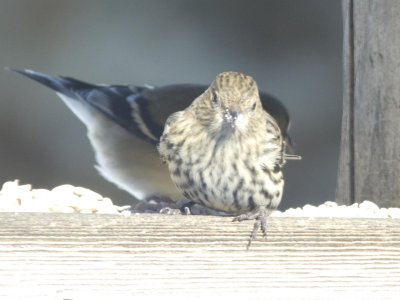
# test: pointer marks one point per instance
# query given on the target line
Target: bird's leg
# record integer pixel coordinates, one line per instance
(263, 222)
(181, 209)
(185, 208)
(260, 215)
(164, 205)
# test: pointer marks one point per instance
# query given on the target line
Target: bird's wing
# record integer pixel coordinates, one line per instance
(118, 103)
(141, 110)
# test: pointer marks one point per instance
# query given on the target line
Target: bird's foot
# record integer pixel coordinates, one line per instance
(260, 216)
(168, 206)
(184, 209)
(170, 211)
(163, 205)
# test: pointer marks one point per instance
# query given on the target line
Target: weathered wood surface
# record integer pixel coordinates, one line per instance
(72, 256)
(369, 167)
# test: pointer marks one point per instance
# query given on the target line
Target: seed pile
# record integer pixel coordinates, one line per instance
(330, 209)
(62, 199)
(71, 199)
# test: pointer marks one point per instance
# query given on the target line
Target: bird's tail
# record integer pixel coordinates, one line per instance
(63, 85)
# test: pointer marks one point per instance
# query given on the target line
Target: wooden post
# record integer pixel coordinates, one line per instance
(369, 166)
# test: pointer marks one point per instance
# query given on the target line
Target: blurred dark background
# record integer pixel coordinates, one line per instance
(292, 48)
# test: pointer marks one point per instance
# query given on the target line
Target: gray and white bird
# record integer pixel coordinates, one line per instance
(124, 124)
(226, 152)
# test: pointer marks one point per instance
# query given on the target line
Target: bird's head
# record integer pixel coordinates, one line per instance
(234, 100)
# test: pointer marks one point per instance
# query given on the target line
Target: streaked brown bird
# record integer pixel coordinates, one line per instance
(226, 152)
(124, 124)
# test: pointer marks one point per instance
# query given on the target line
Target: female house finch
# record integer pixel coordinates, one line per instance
(226, 152)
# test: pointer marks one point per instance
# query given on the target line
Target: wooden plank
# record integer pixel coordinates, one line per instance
(73, 256)
(369, 167)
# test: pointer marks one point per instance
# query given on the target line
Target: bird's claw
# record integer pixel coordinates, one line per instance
(260, 217)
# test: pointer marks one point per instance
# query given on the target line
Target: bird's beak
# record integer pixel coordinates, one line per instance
(231, 116)
(234, 115)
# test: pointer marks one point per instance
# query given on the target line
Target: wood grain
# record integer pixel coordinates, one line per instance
(72, 256)
(345, 181)
(369, 167)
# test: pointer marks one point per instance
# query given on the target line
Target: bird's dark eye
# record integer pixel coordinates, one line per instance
(214, 97)
(254, 106)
